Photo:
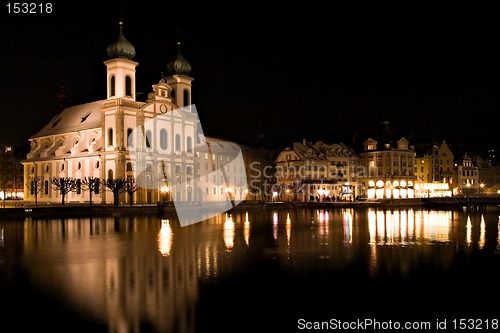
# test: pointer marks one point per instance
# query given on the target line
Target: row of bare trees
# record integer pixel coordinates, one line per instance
(65, 185)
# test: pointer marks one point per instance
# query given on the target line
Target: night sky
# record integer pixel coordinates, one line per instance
(313, 72)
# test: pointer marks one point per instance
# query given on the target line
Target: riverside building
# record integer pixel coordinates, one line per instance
(158, 142)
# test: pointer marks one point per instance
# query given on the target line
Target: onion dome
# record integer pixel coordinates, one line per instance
(179, 65)
(121, 47)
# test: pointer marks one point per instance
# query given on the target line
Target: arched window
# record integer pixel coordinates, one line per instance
(186, 97)
(128, 86)
(163, 139)
(112, 81)
(172, 93)
(148, 139)
(129, 167)
(189, 143)
(110, 136)
(130, 137)
(110, 174)
(177, 142)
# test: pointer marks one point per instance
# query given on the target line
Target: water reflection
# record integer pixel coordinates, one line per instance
(482, 233)
(229, 232)
(468, 226)
(132, 273)
(409, 226)
(165, 237)
(498, 234)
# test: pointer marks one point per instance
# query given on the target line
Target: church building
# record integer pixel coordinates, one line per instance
(153, 142)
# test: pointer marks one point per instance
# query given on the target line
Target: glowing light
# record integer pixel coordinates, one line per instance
(275, 226)
(468, 228)
(165, 237)
(228, 232)
(482, 232)
(246, 229)
(288, 229)
(347, 217)
(400, 227)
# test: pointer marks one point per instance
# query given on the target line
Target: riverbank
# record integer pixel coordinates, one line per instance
(22, 210)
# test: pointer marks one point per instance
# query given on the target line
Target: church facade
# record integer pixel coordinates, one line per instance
(157, 143)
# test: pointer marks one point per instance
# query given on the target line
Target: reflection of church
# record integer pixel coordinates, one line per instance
(97, 139)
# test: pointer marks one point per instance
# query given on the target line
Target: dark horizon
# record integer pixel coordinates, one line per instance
(328, 78)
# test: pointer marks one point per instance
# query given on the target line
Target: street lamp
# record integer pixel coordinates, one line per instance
(481, 188)
(164, 193)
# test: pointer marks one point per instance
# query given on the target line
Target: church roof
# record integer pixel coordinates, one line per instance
(179, 65)
(74, 118)
(121, 47)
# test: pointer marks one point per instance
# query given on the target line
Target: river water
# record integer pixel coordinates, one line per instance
(281, 270)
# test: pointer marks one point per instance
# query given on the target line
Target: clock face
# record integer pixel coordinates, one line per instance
(163, 108)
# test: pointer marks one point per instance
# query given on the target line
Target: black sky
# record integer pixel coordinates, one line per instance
(311, 72)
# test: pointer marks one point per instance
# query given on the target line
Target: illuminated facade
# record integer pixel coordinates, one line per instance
(11, 173)
(467, 176)
(434, 172)
(387, 168)
(316, 172)
(156, 142)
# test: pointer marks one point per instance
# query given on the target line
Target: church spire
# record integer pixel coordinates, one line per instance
(179, 65)
(121, 47)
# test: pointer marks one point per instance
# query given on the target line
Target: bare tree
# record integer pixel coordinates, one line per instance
(91, 184)
(35, 185)
(64, 185)
(116, 186)
(130, 187)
